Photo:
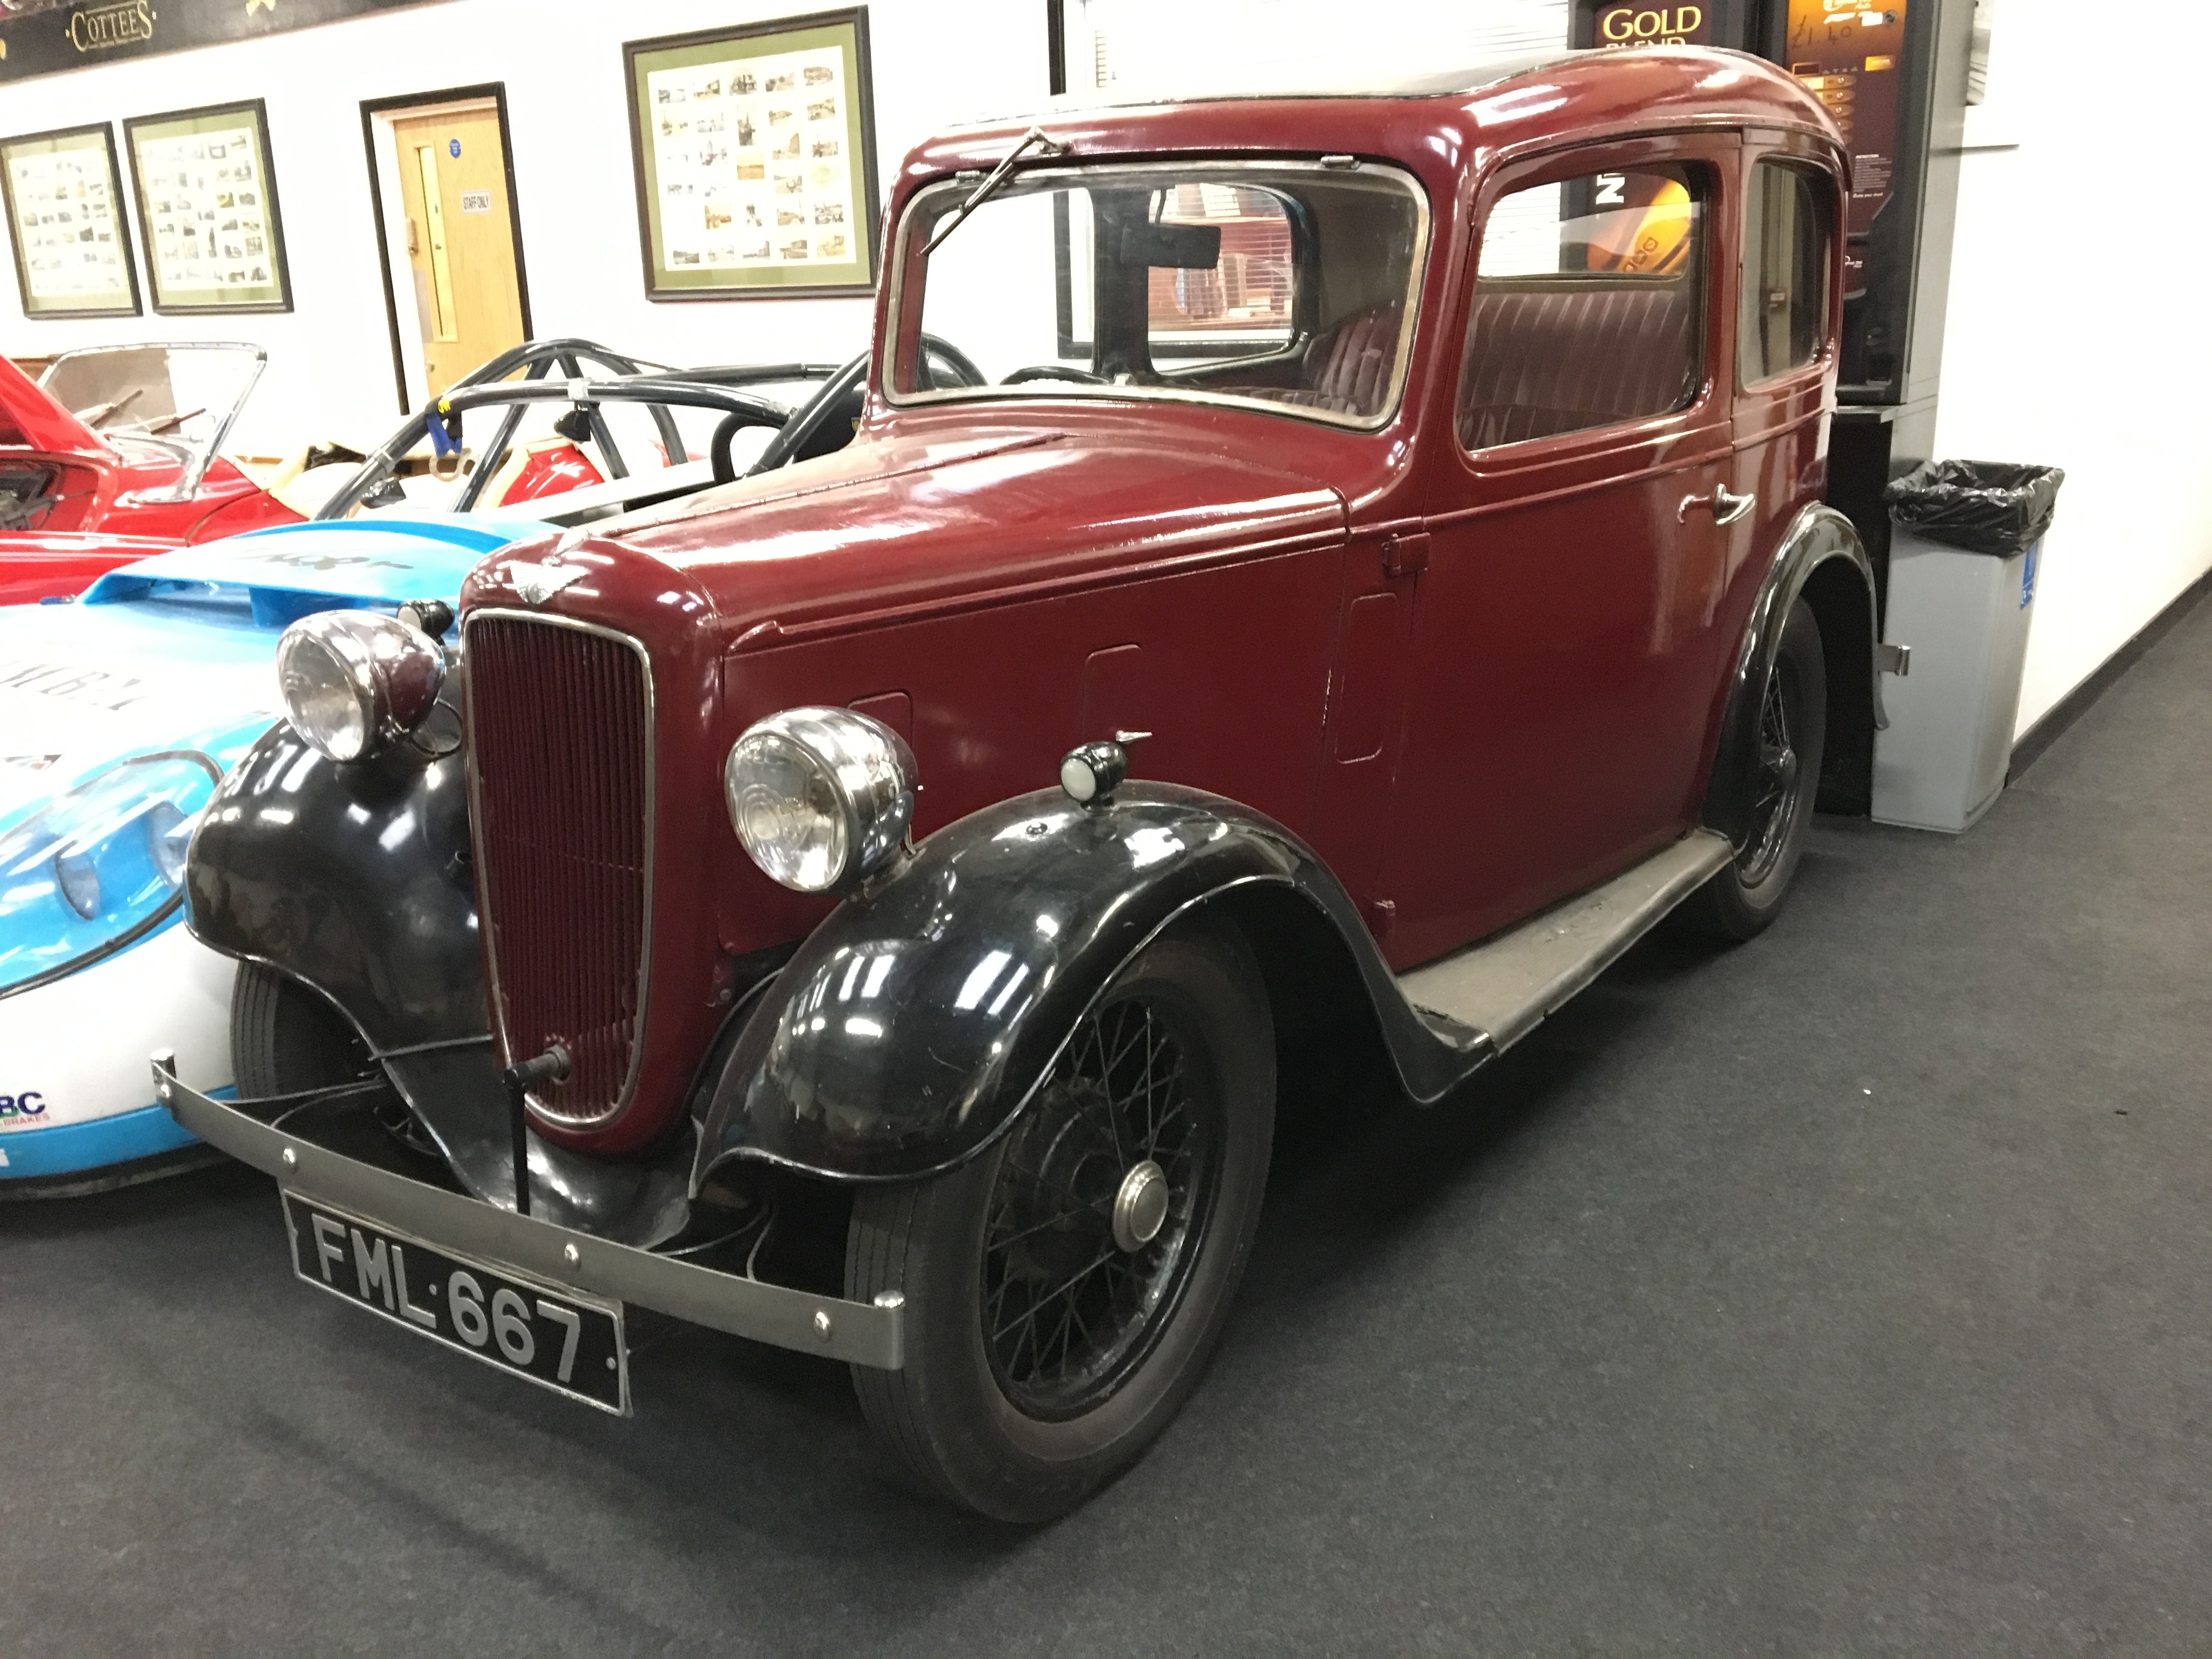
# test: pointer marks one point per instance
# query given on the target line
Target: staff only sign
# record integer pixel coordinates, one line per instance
(40, 37)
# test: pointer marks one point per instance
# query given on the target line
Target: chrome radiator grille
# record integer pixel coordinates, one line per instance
(560, 776)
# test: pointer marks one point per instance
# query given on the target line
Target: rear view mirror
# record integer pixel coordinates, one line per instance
(1180, 247)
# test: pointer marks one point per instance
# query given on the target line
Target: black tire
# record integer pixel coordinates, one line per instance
(1742, 900)
(981, 1417)
(284, 1040)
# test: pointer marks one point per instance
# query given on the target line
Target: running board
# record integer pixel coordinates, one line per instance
(1506, 985)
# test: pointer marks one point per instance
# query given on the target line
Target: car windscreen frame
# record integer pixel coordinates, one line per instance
(918, 216)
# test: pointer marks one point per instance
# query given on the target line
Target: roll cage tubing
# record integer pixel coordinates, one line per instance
(818, 410)
(701, 388)
(537, 359)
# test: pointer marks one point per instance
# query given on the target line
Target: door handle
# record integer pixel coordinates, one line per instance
(1726, 508)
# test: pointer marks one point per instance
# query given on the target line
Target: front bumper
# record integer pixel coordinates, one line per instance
(860, 1332)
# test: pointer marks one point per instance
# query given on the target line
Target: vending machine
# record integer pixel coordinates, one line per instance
(1894, 73)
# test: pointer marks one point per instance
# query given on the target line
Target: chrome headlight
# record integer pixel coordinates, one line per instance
(819, 796)
(352, 680)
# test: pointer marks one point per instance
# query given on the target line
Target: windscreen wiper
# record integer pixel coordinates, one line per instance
(1035, 139)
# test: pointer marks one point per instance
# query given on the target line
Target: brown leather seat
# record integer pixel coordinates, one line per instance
(1347, 366)
(1545, 357)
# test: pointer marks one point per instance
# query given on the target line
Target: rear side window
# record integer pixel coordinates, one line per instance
(1788, 224)
(1588, 306)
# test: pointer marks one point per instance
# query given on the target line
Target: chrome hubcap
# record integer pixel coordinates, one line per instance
(1101, 1204)
(1141, 1208)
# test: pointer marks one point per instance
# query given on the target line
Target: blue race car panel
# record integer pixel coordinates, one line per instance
(117, 716)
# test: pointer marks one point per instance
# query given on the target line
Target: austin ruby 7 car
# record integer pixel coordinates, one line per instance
(1313, 578)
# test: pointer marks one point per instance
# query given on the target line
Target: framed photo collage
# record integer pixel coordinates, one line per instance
(753, 150)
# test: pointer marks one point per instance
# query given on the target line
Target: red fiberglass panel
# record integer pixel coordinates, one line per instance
(34, 566)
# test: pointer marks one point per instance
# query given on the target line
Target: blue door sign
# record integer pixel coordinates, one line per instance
(454, 148)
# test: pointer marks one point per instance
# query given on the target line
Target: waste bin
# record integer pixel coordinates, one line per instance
(1962, 564)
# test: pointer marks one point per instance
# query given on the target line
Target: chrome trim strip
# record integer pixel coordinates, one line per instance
(1399, 370)
(858, 1333)
(498, 1010)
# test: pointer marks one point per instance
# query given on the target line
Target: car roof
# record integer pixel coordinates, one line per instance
(1499, 101)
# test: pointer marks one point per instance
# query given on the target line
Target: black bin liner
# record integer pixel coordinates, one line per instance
(1985, 507)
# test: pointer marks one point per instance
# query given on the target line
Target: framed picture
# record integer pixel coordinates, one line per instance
(755, 158)
(208, 220)
(64, 196)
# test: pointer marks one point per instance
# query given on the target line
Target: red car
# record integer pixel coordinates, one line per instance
(1315, 580)
(111, 457)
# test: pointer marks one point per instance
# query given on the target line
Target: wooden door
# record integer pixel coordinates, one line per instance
(459, 239)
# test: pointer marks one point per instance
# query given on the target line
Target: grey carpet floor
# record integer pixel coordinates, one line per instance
(1849, 1293)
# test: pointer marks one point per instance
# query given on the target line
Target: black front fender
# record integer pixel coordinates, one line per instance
(355, 878)
(915, 1021)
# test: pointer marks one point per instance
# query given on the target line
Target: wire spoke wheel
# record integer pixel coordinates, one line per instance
(1774, 796)
(1778, 778)
(1099, 1208)
(1064, 1286)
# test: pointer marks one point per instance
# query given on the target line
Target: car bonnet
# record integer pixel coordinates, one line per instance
(176, 651)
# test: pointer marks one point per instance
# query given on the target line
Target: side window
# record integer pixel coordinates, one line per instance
(1590, 300)
(1788, 219)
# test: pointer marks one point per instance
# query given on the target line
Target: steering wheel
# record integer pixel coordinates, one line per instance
(1055, 372)
(770, 415)
(938, 351)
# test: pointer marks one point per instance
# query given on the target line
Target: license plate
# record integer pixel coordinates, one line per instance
(568, 1343)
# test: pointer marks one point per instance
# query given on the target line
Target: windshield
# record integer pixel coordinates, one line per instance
(177, 400)
(1286, 285)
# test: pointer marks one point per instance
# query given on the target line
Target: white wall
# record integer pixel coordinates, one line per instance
(2078, 333)
(329, 368)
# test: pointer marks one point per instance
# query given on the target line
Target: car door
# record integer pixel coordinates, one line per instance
(1785, 370)
(1567, 626)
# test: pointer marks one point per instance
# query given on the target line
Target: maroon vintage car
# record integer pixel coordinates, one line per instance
(1315, 580)
(111, 456)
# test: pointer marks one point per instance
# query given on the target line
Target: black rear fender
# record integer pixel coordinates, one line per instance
(1821, 561)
